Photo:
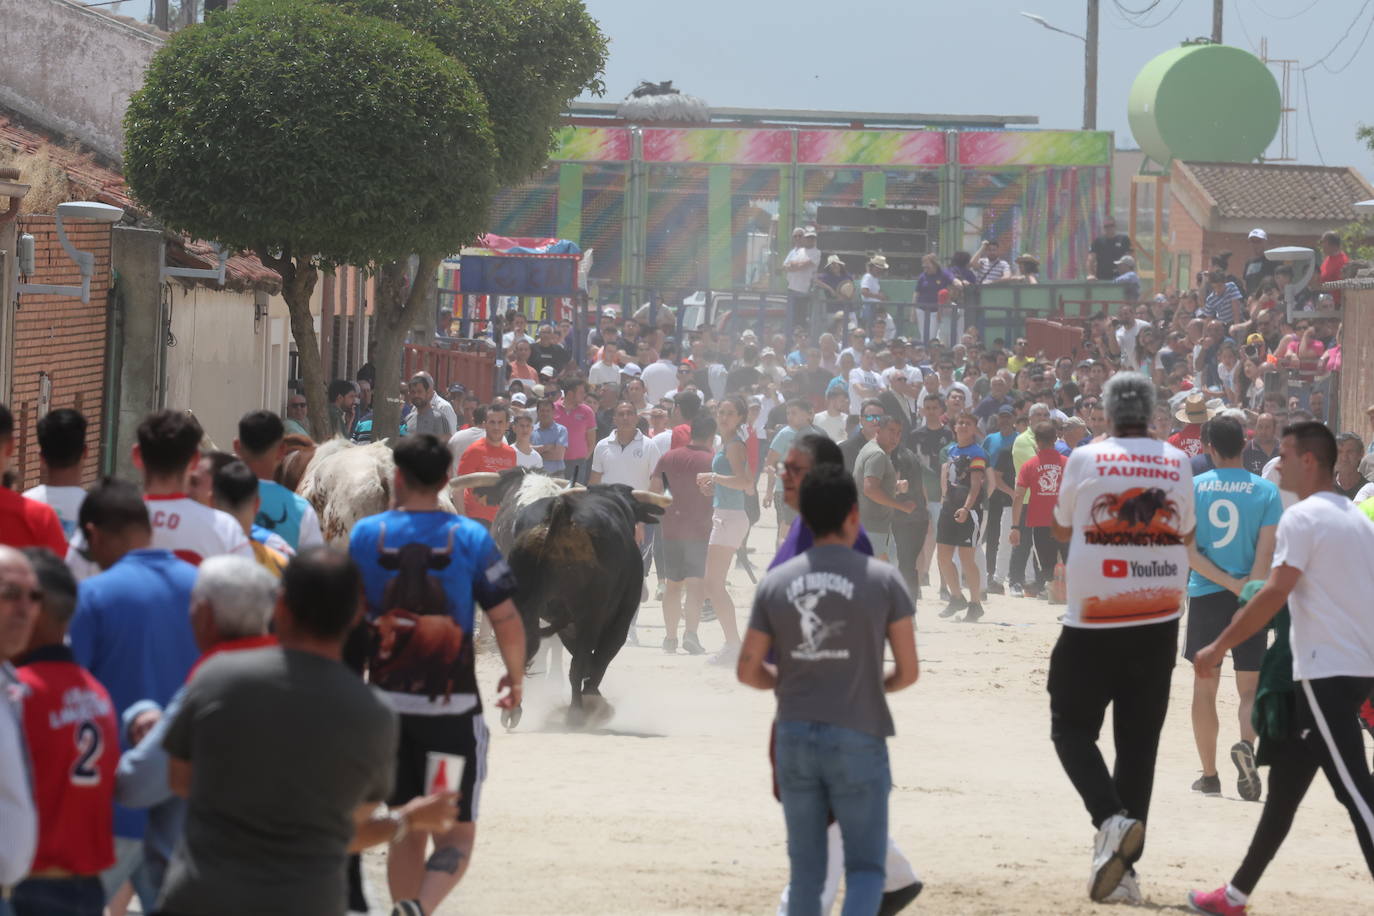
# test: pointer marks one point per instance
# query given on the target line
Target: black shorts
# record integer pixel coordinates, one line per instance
(683, 560)
(958, 534)
(464, 736)
(1208, 615)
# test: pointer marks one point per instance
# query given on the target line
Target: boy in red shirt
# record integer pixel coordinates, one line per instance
(490, 453)
(73, 739)
(24, 522)
(1040, 476)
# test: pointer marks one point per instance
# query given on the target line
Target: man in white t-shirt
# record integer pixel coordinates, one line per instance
(865, 381)
(800, 266)
(1322, 570)
(834, 420)
(168, 450)
(1126, 509)
(61, 451)
(871, 288)
(625, 456)
(459, 441)
(660, 376)
(1128, 328)
(606, 370)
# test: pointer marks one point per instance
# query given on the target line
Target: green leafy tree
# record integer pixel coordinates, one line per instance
(315, 138)
(529, 58)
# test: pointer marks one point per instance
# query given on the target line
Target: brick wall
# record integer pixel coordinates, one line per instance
(63, 337)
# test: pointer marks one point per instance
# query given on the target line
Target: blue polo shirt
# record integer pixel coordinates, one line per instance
(132, 631)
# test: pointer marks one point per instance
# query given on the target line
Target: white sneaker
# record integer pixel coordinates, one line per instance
(1128, 891)
(1116, 847)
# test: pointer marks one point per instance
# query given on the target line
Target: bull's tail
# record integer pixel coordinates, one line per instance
(560, 520)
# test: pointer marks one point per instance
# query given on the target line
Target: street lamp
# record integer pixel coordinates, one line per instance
(1089, 60)
(85, 261)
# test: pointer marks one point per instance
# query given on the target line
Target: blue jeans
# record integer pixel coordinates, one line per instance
(58, 897)
(824, 770)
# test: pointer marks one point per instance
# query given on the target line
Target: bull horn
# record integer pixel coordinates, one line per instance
(475, 479)
(576, 488)
(658, 499)
(563, 482)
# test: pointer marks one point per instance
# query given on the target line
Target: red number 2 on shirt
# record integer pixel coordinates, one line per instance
(90, 744)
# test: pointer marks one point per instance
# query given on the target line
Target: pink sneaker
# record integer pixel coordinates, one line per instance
(1214, 902)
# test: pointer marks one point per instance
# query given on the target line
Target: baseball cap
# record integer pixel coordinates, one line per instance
(630, 369)
(1255, 339)
(548, 371)
(768, 351)
(1005, 410)
(836, 386)
(519, 398)
(1259, 234)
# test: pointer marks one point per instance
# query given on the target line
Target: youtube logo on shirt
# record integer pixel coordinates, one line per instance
(1115, 569)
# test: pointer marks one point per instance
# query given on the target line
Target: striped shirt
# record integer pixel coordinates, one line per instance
(991, 269)
(1222, 305)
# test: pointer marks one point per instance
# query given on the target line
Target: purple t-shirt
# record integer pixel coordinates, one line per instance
(799, 540)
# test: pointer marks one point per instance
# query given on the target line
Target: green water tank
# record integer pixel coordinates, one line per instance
(1204, 103)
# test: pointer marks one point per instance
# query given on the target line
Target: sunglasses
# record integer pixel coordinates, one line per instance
(874, 417)
(13, 592)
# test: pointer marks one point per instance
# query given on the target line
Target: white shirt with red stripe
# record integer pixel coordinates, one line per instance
(191, 530)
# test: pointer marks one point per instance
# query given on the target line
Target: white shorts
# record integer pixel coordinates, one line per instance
(729, 527)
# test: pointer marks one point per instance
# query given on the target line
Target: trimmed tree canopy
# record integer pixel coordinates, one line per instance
(295, 126)
(528, 57)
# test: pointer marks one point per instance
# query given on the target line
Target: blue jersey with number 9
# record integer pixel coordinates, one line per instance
(1232, 506)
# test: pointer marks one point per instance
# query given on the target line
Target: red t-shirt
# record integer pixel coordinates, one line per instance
(73, 738)
(689, 517)
(26, 522)
(1189, 439)
(483, 456)
(1041, 477)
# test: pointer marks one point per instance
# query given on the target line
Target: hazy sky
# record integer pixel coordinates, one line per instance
(978, 57)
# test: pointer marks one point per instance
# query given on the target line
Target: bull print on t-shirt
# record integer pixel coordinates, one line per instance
(418, 643)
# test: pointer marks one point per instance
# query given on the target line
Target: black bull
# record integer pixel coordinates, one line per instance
(577, 569)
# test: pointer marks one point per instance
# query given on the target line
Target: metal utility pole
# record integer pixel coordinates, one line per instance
(1216, 20)
(1090, 68)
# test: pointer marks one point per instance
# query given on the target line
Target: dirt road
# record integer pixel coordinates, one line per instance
(667, 808)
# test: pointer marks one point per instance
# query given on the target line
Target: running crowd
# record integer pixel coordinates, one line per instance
(155, 637)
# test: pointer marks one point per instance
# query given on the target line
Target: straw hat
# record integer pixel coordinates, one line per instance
(1195, 410)
(878, 261)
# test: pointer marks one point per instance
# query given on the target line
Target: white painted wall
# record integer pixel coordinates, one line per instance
(223, 365)
(72, 69)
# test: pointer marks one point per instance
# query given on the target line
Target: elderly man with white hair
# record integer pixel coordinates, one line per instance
(1126, 510)
(231, 604)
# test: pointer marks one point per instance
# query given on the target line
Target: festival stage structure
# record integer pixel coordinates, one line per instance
(673, 210)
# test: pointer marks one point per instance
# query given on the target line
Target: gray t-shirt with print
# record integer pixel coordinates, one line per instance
(828, 611)
(874, 462)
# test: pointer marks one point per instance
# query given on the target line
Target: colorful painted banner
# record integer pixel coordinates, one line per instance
(592, 144)
(712, 146)
(871, 147)
(1040, 147)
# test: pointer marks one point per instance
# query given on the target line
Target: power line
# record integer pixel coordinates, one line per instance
(1302, 12)
(1346, 34)
(1235, 6)
(1148, 25)
(1307, 100)
(1358, 49)
(1130, 12)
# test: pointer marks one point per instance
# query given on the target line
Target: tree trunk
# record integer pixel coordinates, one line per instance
(395, 312)
(298, 278)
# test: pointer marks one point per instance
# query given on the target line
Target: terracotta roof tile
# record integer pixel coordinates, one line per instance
(98, 181)
(1279, 191)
